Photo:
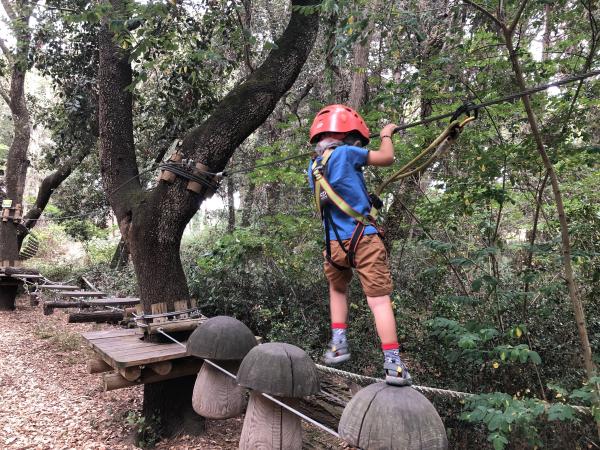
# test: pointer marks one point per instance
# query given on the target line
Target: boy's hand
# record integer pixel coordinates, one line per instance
(385, 155)
(388, 130)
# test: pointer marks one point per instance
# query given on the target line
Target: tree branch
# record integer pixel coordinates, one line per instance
(49, 185)
(10, 12)
(486, 12)
(249, 104)
(513, 25)
(5, 50)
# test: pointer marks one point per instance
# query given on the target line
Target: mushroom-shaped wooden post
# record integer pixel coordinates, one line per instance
(226, 341)
(385, 417)
(282, 370)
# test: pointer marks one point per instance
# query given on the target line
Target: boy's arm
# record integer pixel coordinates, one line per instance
(385, 155)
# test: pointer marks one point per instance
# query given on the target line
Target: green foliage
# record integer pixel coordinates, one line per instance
(147, 429)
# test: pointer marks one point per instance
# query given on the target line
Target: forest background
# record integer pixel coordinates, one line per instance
(476, 244)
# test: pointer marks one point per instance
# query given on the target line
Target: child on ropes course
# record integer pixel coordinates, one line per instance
(352, 239)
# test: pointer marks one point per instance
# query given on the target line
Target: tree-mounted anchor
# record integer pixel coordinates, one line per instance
(10, 212)
(197, 174)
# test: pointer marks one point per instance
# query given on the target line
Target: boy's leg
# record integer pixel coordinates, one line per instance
(337, 351)
(385, 322)
(376, 280)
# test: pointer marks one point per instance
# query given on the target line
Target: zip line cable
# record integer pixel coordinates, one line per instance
(466, 109)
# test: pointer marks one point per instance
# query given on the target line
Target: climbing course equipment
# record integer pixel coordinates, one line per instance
(339, 119)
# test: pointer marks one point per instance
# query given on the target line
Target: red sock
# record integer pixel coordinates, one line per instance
(390, 346)
(338, 326)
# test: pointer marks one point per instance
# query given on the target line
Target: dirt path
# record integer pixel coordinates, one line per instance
(48, 401)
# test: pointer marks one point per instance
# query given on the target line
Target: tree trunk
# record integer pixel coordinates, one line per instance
(121, 256)
(170, 404)
(248, 204)
(153, 221)
(586, 349)
(230, 205)
(17, 162)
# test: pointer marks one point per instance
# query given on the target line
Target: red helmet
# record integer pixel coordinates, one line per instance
(338, 119)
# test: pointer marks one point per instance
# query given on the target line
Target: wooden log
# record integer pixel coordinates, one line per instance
(96, 316)
(216, 395)
(51, 304)
(83, 294)
(182, 368)
(384, 417)
(113, 301)
(167, 176)
(269, 426)
(161, 368)
(88, 284)
(174, 326)
(199, 171)
(97, 365)
(131, 373)
(58, 287)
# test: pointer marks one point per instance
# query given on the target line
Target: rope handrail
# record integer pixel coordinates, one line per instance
(447, 393)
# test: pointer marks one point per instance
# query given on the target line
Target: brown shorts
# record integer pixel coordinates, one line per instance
(371, 264)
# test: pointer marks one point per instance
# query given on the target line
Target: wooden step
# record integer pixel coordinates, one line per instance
(82, 294)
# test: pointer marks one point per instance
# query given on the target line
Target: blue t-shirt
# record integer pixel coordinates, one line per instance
(344, 174)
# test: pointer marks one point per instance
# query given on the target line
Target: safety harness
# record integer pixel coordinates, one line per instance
(326, 196)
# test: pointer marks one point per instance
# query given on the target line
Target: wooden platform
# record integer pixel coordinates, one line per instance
(82, 294)
(124, 348)
(113, 301)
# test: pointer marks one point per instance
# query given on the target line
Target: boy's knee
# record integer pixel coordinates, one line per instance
(375, 301)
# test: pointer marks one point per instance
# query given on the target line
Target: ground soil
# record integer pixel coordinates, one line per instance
(49, 401)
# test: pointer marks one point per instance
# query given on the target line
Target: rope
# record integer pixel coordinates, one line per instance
(477, 106)
(273, 399)
(444, 393)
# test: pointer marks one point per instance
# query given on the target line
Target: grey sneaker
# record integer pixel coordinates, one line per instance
(336, 353)
(396, 373)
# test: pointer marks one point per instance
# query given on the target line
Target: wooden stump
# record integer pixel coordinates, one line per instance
(384, 417)
(269, 426)
(217, 396)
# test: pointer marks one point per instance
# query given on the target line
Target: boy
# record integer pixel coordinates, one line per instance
(352, 240)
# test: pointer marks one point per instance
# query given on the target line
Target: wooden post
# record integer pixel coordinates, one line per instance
(167, 176)
(18, 213)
